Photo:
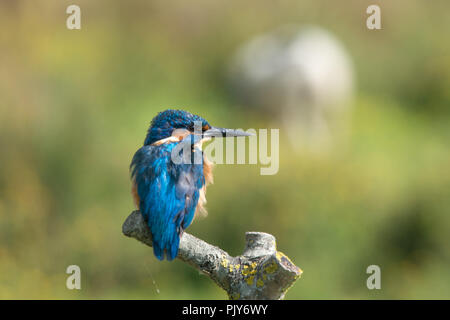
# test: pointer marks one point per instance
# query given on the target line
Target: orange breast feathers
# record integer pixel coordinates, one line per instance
(207, 172)
(135, 195)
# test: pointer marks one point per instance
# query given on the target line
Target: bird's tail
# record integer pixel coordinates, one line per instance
(172, 251)
(158, 251)
(167, 248)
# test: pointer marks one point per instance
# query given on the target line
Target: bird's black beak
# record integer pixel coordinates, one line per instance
(223, 132)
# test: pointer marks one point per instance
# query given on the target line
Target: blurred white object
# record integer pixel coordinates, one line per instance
(301, 77)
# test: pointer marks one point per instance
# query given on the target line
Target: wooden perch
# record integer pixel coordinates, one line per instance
(261, 272)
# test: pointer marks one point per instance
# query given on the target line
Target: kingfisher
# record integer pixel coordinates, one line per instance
(170, 173)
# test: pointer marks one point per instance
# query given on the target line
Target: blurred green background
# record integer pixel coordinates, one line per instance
(75, 105)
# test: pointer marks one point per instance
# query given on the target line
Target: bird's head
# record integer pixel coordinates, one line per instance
(173, 123)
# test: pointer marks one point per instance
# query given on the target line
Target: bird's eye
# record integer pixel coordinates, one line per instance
(206, 127)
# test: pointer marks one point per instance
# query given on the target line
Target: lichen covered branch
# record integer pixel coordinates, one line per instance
(261, 272)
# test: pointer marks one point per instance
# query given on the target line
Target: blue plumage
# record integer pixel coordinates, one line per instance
(165, 122)
(168, 192)
(168, 195)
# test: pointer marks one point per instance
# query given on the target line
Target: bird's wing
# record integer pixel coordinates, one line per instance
(168, 195)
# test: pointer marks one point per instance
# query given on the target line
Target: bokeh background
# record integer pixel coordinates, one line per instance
(75, 105)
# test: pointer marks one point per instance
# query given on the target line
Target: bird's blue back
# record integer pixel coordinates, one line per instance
(168, 194)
